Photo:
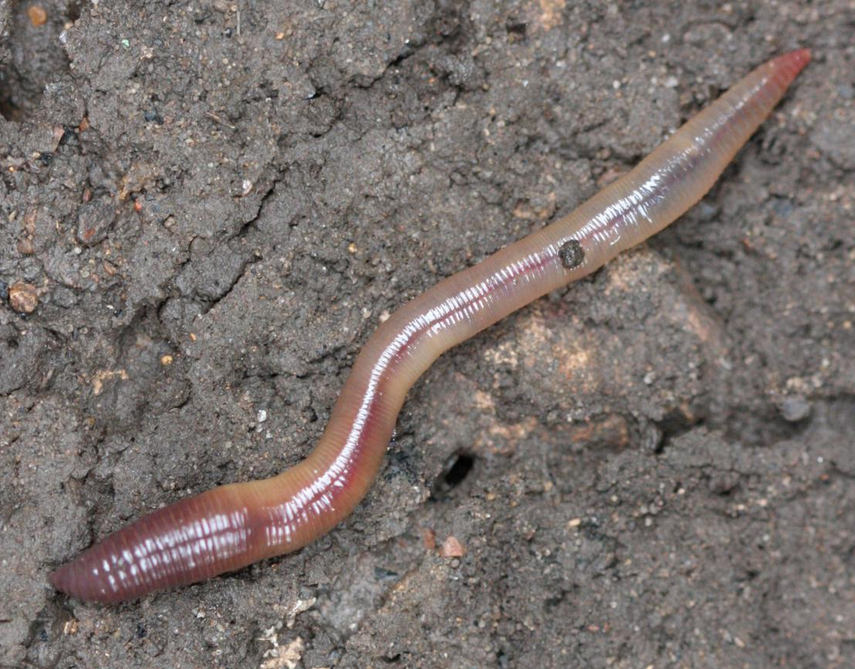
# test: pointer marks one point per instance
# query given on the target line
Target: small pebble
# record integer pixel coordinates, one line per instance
(37, 15)
(794, 408)
(23, 297)
(153, 116)
(4, 290)
(452, 548)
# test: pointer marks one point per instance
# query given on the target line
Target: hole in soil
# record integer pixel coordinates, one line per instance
(36, 59)
(516, 30)
(8, 109)
(72, 12)
(457, 470)
(672, 426)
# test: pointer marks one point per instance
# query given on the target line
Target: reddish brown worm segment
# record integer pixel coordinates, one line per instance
(229, 527)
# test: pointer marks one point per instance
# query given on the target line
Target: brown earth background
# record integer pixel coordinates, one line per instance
(207, 207)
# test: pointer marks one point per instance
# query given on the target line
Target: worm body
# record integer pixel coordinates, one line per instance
(232, 526)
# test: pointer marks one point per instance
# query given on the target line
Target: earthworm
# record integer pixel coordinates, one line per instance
(232, 526)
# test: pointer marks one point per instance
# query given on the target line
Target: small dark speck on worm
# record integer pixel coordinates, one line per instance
(571, 253)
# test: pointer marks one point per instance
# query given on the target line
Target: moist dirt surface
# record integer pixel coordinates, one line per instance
(207, 207)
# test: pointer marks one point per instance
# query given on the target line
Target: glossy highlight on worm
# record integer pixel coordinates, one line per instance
(232, 526)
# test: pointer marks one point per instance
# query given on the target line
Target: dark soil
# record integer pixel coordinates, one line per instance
(209, 207)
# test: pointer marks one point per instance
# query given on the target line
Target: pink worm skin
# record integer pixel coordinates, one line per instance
(232, 526)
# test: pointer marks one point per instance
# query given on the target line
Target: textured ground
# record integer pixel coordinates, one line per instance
(206, 208)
